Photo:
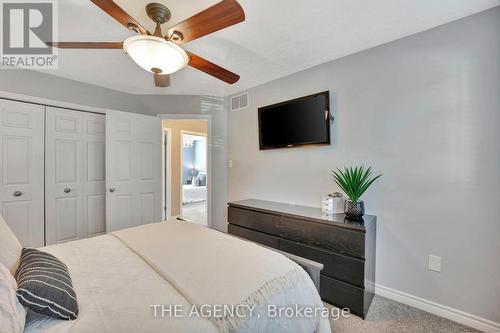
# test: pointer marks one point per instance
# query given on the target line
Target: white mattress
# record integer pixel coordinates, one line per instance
(116, 288)
(192, 193)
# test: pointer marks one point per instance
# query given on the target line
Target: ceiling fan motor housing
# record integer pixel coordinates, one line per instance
(158, 12)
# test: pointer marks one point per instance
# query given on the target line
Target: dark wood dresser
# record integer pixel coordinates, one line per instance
(345, 248)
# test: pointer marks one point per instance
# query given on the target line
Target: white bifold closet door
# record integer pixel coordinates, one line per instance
(74, 175)
(21, 170)
(133, 170)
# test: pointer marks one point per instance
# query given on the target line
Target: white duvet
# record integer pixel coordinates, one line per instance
(118, 291)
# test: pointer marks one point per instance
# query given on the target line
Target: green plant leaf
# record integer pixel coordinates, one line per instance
(354, 181)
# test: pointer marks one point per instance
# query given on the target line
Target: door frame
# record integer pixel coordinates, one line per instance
(166, 168)
(205, 135)
(208, 118)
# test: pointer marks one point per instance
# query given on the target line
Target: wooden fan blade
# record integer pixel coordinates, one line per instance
(110, 7)
(217, 17)
(86, 45)
(162, 80)
(212, 69)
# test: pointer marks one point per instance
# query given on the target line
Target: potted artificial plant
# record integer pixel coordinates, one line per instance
(354, 182)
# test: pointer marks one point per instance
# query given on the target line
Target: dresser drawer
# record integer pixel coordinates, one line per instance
(337, 240)
(250, 219)
(254, 236)
(337, 266)
(342, 295)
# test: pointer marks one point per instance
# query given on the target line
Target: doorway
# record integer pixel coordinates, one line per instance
(187, 168)
(194, 176)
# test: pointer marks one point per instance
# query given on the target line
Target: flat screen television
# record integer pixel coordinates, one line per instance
(298, 122)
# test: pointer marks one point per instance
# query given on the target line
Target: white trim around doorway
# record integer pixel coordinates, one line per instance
(166, 157)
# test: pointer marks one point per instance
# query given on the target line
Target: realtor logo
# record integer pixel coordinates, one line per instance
(26, 26)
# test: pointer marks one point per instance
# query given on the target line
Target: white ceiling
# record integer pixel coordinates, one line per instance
(278, 37)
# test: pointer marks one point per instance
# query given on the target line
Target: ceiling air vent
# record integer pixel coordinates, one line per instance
(239, 102)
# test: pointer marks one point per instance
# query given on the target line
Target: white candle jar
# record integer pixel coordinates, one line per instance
(332, 203)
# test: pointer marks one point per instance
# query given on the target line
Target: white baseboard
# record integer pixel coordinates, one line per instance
(447, 312)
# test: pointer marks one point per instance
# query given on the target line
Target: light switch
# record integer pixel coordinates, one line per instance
(230, 163)
(434, 263)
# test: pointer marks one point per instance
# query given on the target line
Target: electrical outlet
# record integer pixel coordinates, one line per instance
(434, 263)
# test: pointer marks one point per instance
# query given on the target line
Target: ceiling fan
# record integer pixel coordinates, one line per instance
(162, 55)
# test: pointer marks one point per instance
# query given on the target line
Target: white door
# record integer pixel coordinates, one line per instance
(133, 170)
(94, 201)
(21, 170)
(74, 175)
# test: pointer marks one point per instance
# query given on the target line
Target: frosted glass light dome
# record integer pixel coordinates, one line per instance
(155, 54)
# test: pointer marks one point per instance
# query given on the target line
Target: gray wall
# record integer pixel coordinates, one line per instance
(188, 163)
(424, 111)
(41, 85)
(200, 155)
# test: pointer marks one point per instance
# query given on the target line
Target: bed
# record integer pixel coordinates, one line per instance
(122, 278)
(193, 193)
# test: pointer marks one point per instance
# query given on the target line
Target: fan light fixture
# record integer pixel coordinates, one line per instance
(155, 54)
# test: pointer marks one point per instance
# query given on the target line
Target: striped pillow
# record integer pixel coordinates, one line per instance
(44, 285)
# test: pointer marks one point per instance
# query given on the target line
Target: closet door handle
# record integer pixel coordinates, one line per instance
(112, 189)
(67, 190)
(17, 193)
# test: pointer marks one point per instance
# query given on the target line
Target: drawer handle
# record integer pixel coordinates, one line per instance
(17, 193)
(67, 190)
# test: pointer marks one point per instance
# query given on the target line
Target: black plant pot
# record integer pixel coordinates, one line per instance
(354, 210)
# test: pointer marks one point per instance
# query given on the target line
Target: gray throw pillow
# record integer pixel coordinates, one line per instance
(44, 285)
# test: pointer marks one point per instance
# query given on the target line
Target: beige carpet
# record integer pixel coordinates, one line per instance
(387, 316)
(195, 212)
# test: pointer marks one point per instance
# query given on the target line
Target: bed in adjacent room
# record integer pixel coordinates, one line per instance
(193, 193)
(132, 280)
